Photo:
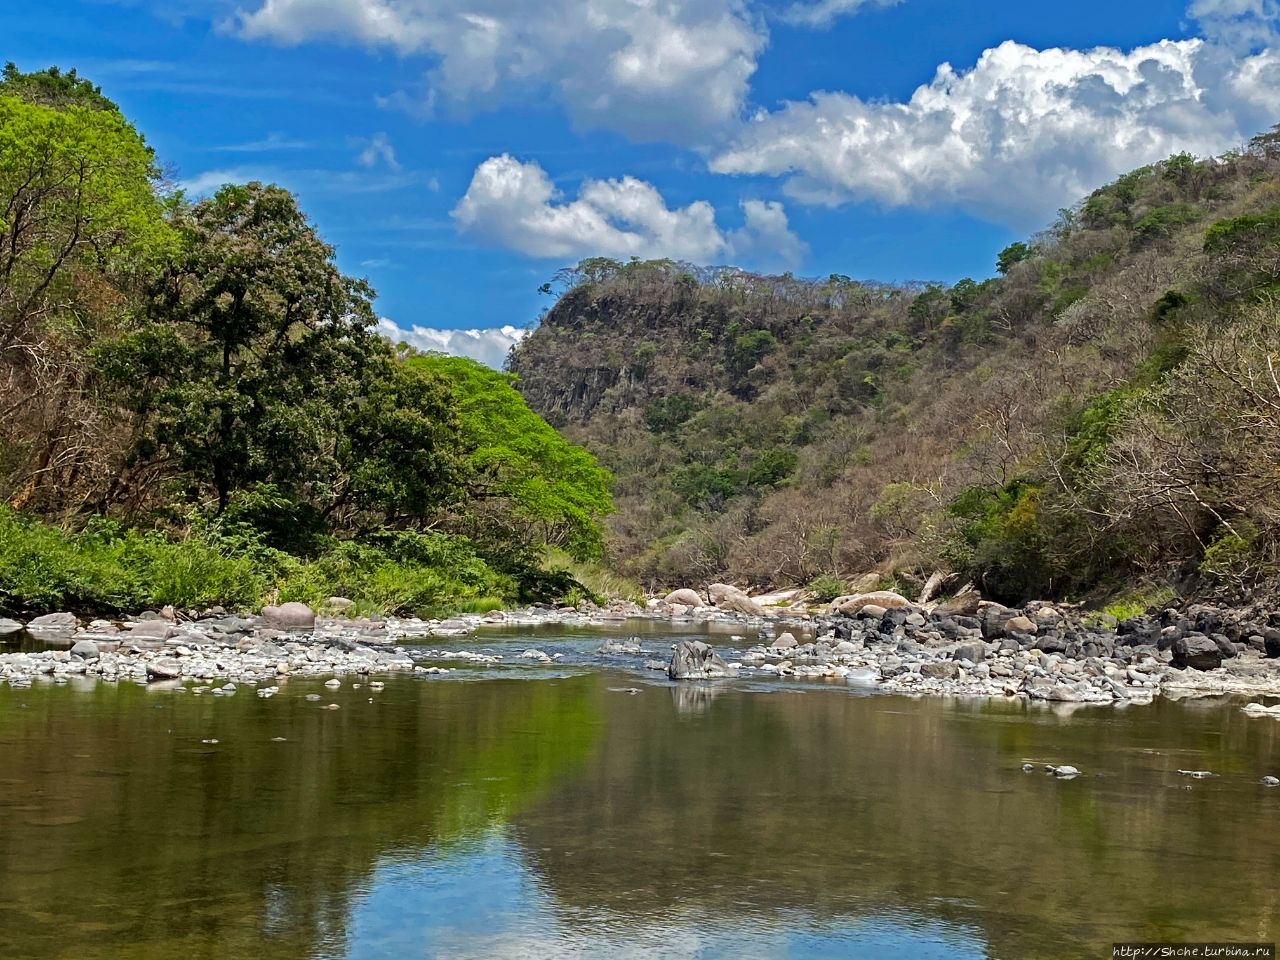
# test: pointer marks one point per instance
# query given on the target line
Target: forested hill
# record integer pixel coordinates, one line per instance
(1103, 416)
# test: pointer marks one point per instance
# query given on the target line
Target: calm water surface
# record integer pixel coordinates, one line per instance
(531, 811)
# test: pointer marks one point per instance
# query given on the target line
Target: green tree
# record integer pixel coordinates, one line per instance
(254, 351)
(1011, 255)
(529, 486)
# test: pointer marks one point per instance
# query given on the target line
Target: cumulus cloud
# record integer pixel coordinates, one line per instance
(1247, 25)
(823, 13)
(676, 70)
(1022, 133)
(515, 205)
(489, 347)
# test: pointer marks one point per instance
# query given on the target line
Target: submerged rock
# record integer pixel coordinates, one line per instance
(695, 660)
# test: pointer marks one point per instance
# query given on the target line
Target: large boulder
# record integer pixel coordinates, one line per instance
(53, 623)
(695, 660)
(1197, 652)
(1271, 642)
(685, 596)
(9, 627)
(1019, 624)
(730, 598)
(289, 616)
(85, 650)
(157, 629)
(885, 599)
(962, 604)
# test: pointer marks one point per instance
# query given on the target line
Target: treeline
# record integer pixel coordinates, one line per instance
(1101, 418)
(195, 405)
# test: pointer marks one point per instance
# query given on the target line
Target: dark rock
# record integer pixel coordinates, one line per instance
(844, 631)
(1225, 646)
(1197, 652)
(1009, 645)
(1271, 642)
(695, 660)
(1051, 643)
(973, 652)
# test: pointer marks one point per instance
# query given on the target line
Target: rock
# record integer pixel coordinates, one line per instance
(873, 611)
(1065, 772)
(940, 670)
(85, 650)
(1270, 781)
(973, 652)
(695, 660)
(338, 604)
(158, 629)
(785, 642)
(685, 596)
(741, 604)
(289, 616)
(160, 670)
(1197, 652)
(1019, 625)
(885, 599)
(1198, 774)
(53, 623)
(1271, 642)
(962, 604)
(9, 627)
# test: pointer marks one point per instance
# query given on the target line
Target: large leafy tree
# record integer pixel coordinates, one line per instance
(253, 352)
(528, 485)
(81, 227)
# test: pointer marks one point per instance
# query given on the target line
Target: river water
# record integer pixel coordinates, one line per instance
(546, 811)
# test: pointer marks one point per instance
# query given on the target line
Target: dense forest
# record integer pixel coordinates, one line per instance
(195, 406)
(1101, 420)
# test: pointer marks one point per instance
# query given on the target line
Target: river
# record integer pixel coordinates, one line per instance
(588, 808)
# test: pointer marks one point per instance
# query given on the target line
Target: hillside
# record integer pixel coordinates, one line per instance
(1102, 417)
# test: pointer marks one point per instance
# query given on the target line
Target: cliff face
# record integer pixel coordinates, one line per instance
(775, 429)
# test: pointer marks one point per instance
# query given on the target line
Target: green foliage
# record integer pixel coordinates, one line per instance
(669, 413)
(1135, 603)
(1012, 255)
(826, 588)
(1002, 540)
(772, 467)
(1162, 222)
(536, 487)
(106, 569)
(748, 350)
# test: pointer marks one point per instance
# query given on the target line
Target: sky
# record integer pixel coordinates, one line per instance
(457, 153)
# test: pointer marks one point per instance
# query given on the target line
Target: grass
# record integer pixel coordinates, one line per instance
(1135, 603)
(106, 569)
(600, 581)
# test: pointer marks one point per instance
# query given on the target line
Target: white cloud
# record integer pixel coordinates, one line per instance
(1022, 133)
(378, 150)
(489, 347)
(675, 70)
(823, 13)
(203, 184)
(515, 205)
(1247, 25)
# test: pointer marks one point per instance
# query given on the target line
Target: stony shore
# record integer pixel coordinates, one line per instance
(967, 647)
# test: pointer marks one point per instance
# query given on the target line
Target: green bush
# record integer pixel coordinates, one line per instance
(826, 588)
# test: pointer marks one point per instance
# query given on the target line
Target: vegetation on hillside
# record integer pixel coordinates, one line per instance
(195, 407)
(1104, 413)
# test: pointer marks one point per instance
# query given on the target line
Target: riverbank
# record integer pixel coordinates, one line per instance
(1041, 652)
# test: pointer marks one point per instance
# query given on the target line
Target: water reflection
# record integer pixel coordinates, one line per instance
(560, 817)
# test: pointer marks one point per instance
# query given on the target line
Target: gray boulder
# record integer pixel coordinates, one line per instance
(289, 616)
(1197, 652)
(53, 623)
(973, 652)
(695, 660)
(9, 627)
(155, 629)
(85, 650)
(164, 670)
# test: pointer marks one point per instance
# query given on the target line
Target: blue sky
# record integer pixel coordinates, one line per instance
(459, 152)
